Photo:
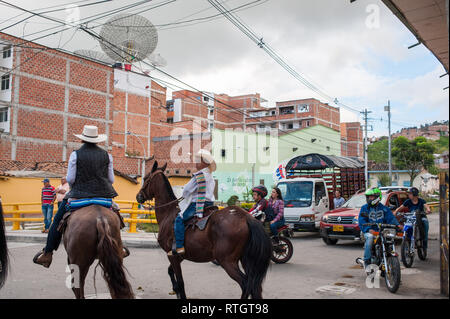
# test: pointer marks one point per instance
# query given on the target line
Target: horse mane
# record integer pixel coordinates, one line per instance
(168, 187)
(4, 262)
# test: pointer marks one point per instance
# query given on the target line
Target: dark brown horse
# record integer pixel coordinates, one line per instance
(231, 235)
(3, 250)
(94, 232)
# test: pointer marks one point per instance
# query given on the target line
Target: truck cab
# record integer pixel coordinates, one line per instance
(305, 202)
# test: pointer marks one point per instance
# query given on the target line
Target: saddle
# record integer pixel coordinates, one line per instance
(201, 223)
(63, 223)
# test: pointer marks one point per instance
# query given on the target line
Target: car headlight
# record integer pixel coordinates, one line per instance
(325, 218)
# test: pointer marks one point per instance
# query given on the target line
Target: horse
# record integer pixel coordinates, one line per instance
(4, 262)
(231, 235)
(94, 232)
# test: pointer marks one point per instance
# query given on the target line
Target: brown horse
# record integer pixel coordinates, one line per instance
(94, 232)
(231, 235)
(4, 264)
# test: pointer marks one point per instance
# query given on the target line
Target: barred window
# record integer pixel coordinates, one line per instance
(5, 82)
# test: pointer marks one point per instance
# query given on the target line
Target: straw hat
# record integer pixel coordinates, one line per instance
(206, 157)
(90, 135)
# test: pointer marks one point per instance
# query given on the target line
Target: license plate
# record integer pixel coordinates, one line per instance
(291, 226)
(338, 228)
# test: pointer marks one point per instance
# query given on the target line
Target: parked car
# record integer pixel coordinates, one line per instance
(342, 223)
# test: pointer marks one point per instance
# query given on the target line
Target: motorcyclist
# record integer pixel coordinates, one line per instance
(259, 194)
(415, 203)
(373, 212)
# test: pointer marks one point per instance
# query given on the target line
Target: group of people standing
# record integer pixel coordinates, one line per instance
(48, 196)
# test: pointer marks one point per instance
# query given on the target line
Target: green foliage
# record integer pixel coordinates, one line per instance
(384, 179)
(413, 155)
(379, 151)
(232, 200)
(441, 144)
(247, 194)
(433, 170)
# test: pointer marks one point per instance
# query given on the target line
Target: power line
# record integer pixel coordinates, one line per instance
(269, 50)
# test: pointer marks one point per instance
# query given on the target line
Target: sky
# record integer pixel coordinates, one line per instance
(356, 52)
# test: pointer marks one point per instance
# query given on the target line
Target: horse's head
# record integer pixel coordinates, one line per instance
(148, 189)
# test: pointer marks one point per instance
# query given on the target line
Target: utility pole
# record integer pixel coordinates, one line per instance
(366, 173)
(387, 108)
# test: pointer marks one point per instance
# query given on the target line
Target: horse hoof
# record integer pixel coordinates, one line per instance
(172, 293)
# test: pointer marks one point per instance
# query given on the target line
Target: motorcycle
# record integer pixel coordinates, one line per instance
(282, 248)
(413, 236)
(384, 255)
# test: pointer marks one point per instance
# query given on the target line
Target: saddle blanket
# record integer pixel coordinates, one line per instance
(79, 203)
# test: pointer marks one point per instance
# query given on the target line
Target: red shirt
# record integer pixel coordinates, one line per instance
(48, 195)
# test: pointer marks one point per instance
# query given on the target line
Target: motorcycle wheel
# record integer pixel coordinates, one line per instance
(407, 254)
(283, 251)
(392, 274)
(421, 251)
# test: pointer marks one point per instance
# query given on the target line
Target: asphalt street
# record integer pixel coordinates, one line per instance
(315, 271)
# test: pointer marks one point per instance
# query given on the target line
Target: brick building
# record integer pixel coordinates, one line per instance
(352, 140)
(432, 132)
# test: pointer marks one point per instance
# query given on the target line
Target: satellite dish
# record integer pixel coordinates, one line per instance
(95, 55)
(128, 38)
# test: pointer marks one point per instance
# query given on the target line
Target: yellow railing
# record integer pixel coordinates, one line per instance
(17, 210)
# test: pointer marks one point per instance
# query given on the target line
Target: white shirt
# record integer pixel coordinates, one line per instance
(190, 190)
(72, 169)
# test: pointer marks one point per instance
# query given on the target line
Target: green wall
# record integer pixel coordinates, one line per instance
(262, 153)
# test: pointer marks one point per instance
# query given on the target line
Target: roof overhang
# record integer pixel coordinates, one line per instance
(428, 21)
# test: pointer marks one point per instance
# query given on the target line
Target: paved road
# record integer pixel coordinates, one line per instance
(315, 271)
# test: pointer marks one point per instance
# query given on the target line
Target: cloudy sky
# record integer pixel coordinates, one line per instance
(355, 52)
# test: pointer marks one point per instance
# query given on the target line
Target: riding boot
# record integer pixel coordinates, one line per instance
(43, 258)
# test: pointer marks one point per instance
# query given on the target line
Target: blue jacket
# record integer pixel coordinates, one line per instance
(378, 214)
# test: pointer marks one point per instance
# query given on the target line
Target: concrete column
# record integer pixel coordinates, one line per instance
(66, 110)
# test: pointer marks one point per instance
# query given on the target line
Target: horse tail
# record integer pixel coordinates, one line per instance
(256, 258)
(4, 262)
(111, 262)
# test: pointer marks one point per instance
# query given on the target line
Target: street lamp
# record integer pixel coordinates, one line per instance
(143, 159)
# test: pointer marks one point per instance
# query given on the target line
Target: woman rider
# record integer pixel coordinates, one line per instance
(277, 204)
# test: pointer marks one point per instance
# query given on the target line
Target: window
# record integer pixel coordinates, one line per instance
(211, 112)
(300, 124)
(205, 98)
(290, 126)
(294, 149)
(307, 123)
(4, 114)
(273, 112)
(211, 125)
(7, 52)
(177, 172)
(303, 108)
(328, 148)
(5, 82)
(319, 192)
(188, 171)
(222, 152)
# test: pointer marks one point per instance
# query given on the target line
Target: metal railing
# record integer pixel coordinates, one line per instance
(19, 211)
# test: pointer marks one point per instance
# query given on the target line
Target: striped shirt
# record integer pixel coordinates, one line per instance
(48, 195)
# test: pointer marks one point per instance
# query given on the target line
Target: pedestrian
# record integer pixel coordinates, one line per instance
(62, 190)
(48, 196)
(338, 200)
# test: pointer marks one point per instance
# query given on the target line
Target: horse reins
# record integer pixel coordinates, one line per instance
(149, 207)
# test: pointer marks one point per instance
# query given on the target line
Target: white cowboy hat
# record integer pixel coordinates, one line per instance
(206, 157)
(90, 134)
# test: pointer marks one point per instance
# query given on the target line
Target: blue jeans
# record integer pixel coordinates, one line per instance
(179, 222)
(54, 236)
(426, 227)
(47, 211)
(274, 227)
(368, 248)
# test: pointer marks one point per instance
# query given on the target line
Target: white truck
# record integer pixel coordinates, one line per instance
(309, 186)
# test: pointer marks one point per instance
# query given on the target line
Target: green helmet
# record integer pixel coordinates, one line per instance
(373, 192)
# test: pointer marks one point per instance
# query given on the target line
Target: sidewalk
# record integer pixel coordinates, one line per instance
(135, 240)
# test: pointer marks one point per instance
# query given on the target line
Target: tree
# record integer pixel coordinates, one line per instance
(413, 155)
(384, 179)
(379, 151)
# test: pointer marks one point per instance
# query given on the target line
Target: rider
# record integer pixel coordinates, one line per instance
(416, 203)
(90, 174)
(277, 205)
(198, 194)
(261, 204)
(373, 212)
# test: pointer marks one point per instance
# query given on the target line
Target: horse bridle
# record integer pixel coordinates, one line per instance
(149, 207)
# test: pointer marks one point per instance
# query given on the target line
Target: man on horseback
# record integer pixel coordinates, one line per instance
(198, 194)
(90, 174)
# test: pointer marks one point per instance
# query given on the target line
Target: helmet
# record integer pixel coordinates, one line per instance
(373, 192)
(261, 190)
(414, 191)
